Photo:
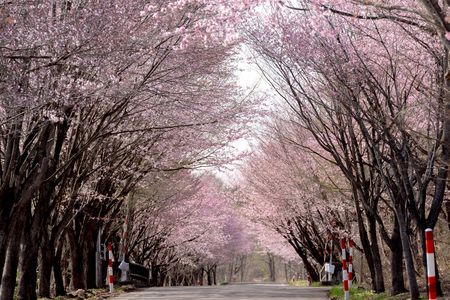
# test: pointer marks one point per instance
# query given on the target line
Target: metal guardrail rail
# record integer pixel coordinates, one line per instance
(139, 272)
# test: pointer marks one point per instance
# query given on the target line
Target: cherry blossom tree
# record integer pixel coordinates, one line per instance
(106, 104)
(193, 229)
(347, 96)
(96, 97)
(291, 193)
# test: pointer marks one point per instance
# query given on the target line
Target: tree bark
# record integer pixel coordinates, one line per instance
(155, 275)
(375, 250)
(57, 271)
(10, 270)
(162, 278)
(312, 272)
(46, 261)
(89, 257)
(209, 276)
(7, 195)
(201, 273)
(286, 276)
(447, 210)
(28, 278)
(4, 222)
(410, 270)
(365, 243)
(271, 263)
(243, 260)
(398, 282)
(231, 271)
(76, 262)
(28, 266)
(8, 285)
(30, 251)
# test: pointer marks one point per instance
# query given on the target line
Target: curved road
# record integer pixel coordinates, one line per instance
(233, 292)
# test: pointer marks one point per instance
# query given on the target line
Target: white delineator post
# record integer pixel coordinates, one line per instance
(344, 270)
(110, 268)
(350, 263)
(330, 275)
(125, 237)
(124, 266)
(431, 271)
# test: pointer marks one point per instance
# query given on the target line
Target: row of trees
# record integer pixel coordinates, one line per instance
(365, 117)
(294, 195)
(183, 228)
(99, 100)
(110, 103)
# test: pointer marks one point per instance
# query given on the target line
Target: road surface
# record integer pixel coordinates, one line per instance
(232, 292)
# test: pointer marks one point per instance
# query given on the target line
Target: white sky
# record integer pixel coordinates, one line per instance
(250, 78)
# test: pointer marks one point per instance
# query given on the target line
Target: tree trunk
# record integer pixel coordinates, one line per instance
(312, 272)
(3, 242)
(162, 277)
(30, 251)
(231, 271)
(243, 267)
(57, 270)
(271, 263)
(365, 243)
(375, 250)
(10, 270)
(447, 210)
(411, 272)
(286, 276)
(209, 276)
(28, 266)
(6, 204)
(155, 274)
(46, 261)
(28, 278)
(66, 264)
(77, 264)
(12, 259)
(398, 282)
(202, 273)
(89, 258)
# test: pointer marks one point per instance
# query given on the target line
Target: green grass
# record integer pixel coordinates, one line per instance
(337, 293)
(303, 283)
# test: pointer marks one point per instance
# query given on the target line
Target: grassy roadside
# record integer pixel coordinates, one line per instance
(336, 293)
(303, 283)
(94, 294)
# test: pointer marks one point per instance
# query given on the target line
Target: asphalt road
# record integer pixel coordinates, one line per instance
(233, 292)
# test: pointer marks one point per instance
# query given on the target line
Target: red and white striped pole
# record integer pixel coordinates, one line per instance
(431, 271)
(344, 269)
(110, 268)
(350, 263)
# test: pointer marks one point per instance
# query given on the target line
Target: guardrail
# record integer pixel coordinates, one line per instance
(138, 273)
